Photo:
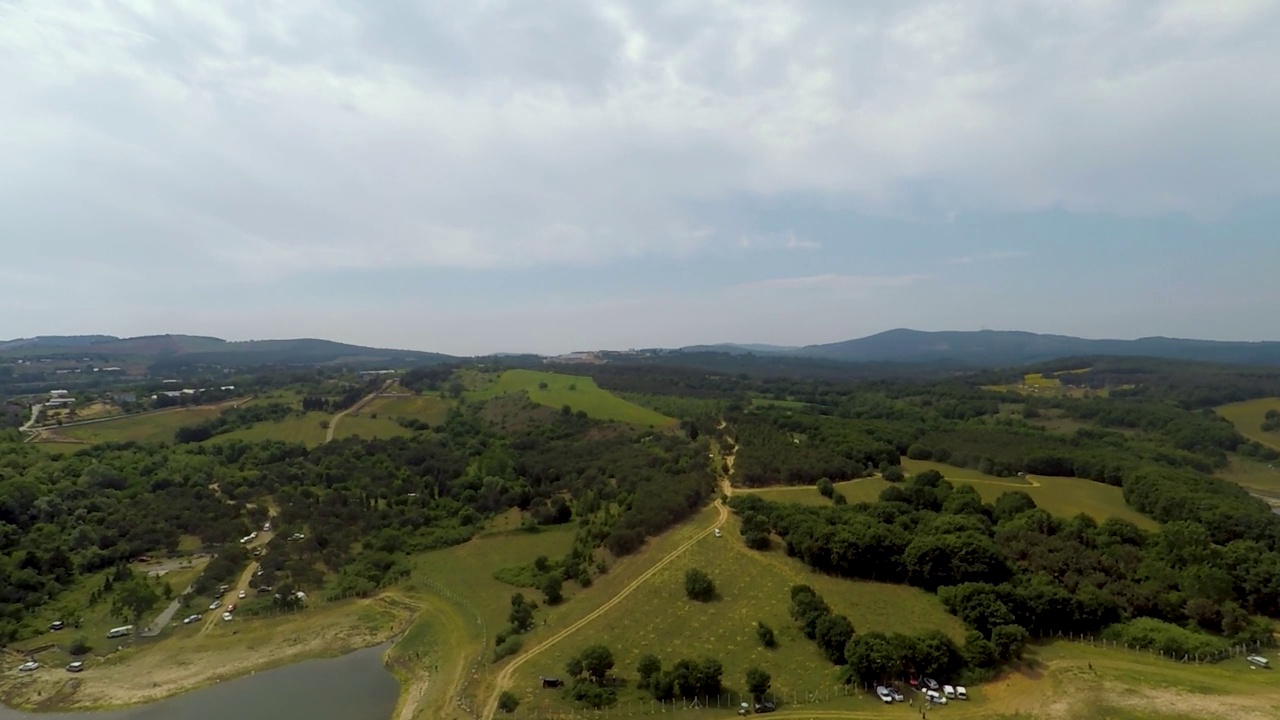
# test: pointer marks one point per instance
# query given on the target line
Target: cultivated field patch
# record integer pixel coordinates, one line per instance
(577, 392)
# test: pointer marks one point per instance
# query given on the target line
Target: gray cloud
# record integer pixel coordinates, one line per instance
(273, 137)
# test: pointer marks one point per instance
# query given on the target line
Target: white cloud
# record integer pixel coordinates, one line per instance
(270, 138)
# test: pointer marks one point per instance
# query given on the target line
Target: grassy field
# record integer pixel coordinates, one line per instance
(428, 409)
(367, 427)
(303, 429)
(1248, 416)
(753, 586)
(1258, 477)
(579, 393)
(1065, 497)
(151, 427)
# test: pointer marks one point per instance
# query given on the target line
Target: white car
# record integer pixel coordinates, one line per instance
(190, 619)
(28, 666)
(717, 532)
(935, 697)
(242, 594)
(930, 683)
(883, 693)
(897, 696)
(961, 693)
(949, 691)
(226, 617)
(215, 604)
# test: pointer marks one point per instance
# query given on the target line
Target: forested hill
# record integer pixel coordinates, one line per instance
(991, 348)
(176, 350)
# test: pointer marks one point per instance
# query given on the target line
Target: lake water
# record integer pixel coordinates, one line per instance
(351, 687)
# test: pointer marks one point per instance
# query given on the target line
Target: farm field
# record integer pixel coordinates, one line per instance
(585, 395)
(1248, 416)
(753, 586)
(369, 428)
(303, 429)
(151, 427)
(429, 409)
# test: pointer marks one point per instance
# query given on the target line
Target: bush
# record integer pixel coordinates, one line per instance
(508, 702)
(1163, 637)
(592, 695)
(508, 647)
(698, 586)
(765, 633)
(826, 488)
(79, 645)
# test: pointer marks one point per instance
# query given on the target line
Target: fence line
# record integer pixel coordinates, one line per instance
(1234, 651)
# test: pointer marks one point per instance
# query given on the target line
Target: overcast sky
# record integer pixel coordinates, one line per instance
(547, 176)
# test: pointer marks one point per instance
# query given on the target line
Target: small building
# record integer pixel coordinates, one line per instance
(57, 393)
(550, 682)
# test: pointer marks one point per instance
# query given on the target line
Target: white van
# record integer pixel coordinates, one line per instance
(1258, 661)
(949, 691)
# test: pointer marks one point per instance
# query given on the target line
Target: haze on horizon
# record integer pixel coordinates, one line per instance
(471, 178)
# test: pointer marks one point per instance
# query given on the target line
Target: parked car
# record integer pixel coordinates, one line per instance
(1258, 661)
(231, 608)
(243, 594)
(949, 691)
(28, 666)
(190, 619)
(717, 532)
(897, 696)
(57, 625)
(215, 604)
(765, 707)
(936, 697)
(223, 588)
(227, 617)
(883, 693)
(76, 666)
(961, 693)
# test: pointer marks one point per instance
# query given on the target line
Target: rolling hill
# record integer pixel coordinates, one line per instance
(987, 348)
(177, 350)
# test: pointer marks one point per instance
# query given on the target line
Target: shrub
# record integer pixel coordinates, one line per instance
(699, 586)
(765, 633)
(508, 702)
(826, 488)
(508, 647)
(1163, 637)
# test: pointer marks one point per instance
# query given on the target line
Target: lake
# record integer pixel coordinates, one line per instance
(351, 687)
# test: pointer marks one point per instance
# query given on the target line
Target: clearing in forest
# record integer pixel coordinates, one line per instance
(1248, 417)
(579, 393)
(369, 428)
(1064, 497)
(149, 427)
(427, 408)
(752, 586)
(306, 429)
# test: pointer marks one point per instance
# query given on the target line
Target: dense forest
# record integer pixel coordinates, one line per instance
(361, 507)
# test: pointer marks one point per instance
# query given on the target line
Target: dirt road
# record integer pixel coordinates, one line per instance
(333, 424)
(504, 677)
(233, 594)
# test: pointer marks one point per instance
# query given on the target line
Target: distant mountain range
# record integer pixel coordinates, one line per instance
(990, 348)
(195, 349)
(978, 349)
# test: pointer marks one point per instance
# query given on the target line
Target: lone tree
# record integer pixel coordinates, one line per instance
(551, 588)
(698, 586)
(758, 682)
(595, 662)
(508, 702)
(649, 668)
(826, 488)
(521, 617)
(765, 633)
